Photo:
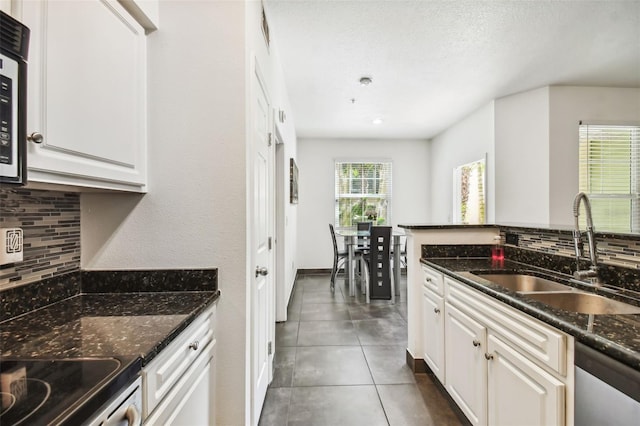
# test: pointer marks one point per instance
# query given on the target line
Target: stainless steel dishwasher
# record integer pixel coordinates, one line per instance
(607, 392)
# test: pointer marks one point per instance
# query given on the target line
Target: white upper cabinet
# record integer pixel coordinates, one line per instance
(86, 94)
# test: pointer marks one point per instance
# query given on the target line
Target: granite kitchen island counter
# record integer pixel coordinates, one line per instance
(614, 335)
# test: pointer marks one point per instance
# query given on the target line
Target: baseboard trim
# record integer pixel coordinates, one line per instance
(418, 366)
(315, 271)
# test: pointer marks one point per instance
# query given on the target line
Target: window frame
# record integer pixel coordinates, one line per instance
(590, 165)
(383, 185)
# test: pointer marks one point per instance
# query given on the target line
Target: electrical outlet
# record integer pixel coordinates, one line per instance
(11, 245)
(512, 239)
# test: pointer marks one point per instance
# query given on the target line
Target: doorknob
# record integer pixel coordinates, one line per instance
(261, 270)
(35, 137)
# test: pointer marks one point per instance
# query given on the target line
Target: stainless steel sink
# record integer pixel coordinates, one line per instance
(524, 283)
(584, 303)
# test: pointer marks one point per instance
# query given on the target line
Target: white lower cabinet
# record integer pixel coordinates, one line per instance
(520, 392)
(190, 401)
(503, 367)
(433, 332)
(467, 376)
(499, 365)
(179, 384)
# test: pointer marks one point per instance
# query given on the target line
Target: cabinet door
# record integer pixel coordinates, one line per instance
(195, 407)
(466, 373)
(86, 94)
(520, 392)
(433, 332)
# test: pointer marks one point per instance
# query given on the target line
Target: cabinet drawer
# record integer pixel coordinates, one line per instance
(541, 341)
(189, 401)
(433, 280)
(169, 366)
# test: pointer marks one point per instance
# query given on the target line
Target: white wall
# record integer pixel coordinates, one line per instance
(468, 140)
(522, 158)
(569, 105)
(534, 136)
(195, 213)
(316, 163)
(5, 6)
(287, 212)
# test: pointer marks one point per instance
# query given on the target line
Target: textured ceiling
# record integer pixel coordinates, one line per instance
(434, 62)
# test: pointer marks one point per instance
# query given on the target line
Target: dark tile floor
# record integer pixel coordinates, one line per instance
(340, 361)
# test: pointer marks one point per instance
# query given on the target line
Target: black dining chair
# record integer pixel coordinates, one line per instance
(363, 240)
(379, 283)
(340, 257)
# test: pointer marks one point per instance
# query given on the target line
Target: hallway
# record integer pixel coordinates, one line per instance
(342, 362)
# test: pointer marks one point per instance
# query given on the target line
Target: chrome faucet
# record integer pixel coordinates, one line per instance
(592, 272)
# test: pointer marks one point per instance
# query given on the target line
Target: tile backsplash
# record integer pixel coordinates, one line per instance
(51, 225)
(622, 252)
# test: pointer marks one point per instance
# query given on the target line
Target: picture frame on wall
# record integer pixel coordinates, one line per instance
(293, 182)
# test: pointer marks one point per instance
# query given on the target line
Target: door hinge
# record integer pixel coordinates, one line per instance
(269, 349)
(270, 139)
(270, 243)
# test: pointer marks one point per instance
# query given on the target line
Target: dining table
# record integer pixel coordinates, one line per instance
(351, 236)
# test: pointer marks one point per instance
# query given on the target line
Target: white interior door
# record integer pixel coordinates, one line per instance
(262, 288)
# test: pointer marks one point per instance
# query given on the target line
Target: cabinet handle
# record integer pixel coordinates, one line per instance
(35, 137)
(132, 415)
(194, 345)
(428, 279)
(476, 343)
(436, 310)
(489, 357)
(261, 270)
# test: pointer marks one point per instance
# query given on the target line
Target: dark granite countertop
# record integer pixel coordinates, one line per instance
(425, 226)
(93, 322)
(554, 229)
(617, 336)
(102, 325)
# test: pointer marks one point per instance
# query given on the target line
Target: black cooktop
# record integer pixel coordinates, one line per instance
(43, 392)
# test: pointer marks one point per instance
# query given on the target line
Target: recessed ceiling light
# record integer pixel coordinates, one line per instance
(377, 120)
(365, 81)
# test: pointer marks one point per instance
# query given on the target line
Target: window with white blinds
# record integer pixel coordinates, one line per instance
(609, 168)
(363, 193)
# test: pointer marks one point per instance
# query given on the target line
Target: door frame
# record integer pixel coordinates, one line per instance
(281, 169)
(257, 82)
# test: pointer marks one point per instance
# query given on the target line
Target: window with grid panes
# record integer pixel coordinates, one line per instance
(609, 172)
(362, 193)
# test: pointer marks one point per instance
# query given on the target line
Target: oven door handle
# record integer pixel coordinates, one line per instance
(133, 416)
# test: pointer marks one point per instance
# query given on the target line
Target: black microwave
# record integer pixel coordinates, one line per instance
(14, 48)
